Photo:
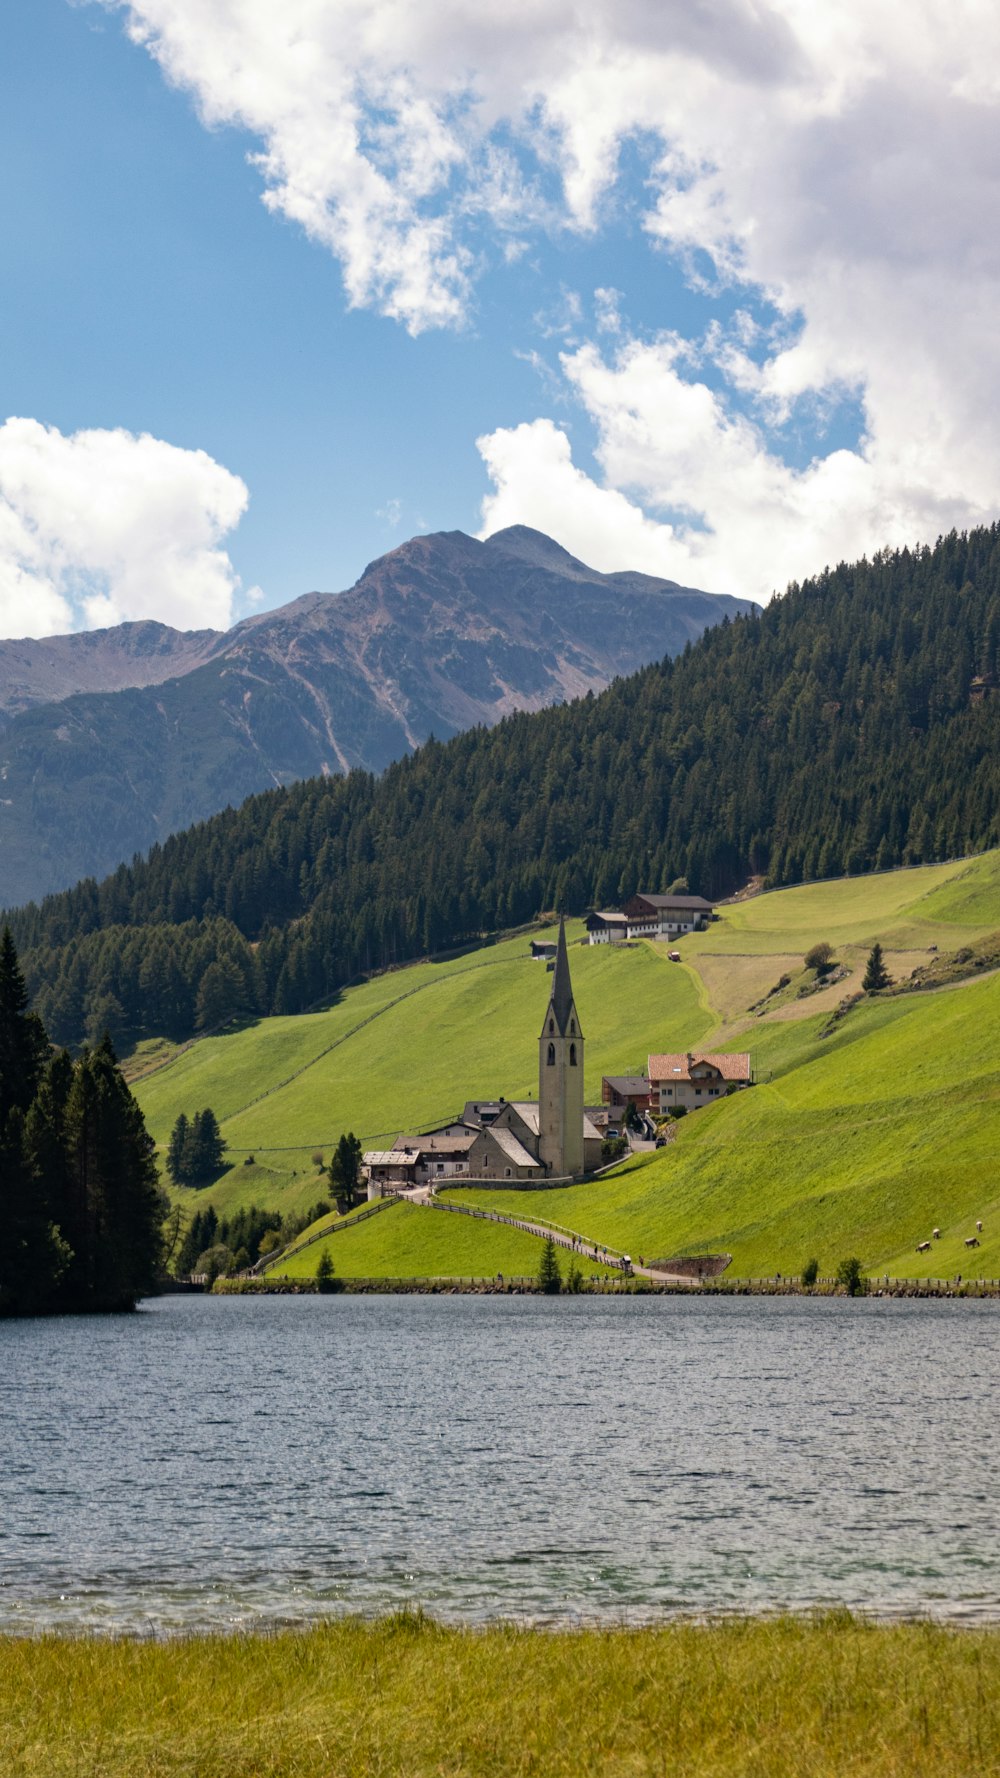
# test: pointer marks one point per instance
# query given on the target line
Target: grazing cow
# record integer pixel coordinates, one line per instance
(972, 1240)
(979, 1228)
(923, 1246)
(936, 1233)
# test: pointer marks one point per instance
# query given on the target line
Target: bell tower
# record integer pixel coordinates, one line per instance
(560, 1075)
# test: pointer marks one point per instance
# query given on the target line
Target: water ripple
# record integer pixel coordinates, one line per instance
(228, 1463)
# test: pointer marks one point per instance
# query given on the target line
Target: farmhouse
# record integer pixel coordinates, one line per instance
(496, 1140)
(650, 916)
(606, 928)
(666, 916)
(690, 1081)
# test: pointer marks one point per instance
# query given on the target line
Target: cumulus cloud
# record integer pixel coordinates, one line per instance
(103, 526)
(842, 163)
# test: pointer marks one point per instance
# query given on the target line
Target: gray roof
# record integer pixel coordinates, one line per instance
(512, 1148)
(676, 901)
(628, 1083)
(527, 1111)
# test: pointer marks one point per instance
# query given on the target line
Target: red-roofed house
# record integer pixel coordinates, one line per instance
(691, 1081)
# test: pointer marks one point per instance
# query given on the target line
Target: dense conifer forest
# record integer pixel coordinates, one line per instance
(80, 1203)
(836, 733)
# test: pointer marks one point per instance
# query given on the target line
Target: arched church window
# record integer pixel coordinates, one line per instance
(551, 1026)
(572, 1055)
(552, 1055)
(572, 1027)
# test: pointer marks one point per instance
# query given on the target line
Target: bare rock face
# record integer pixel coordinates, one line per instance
(113, 739)
(43, 672)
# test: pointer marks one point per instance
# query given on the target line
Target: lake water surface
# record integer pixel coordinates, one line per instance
(222, 1462)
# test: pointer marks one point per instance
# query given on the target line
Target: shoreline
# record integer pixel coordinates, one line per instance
(912, 1288)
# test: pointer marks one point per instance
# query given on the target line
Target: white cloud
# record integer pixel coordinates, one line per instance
(841, 161)
(103, 526)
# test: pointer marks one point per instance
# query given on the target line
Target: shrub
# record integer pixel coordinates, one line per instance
(215, 1262)
(820, 958)
(574, 1279)
(850, 1274)
(810, 1272)
(318, 1159)
(324, 1273)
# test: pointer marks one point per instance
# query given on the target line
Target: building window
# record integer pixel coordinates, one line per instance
(551, 1027)
(572, 1027)
(552, 1055)
(572, 1055)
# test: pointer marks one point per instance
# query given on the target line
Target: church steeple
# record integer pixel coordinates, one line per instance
(560, 1075)
(561, 1003)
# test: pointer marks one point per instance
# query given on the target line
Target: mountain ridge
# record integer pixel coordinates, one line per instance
(441, 634)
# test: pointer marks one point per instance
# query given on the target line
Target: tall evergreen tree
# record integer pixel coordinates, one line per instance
(23, 1044)
(876, 975)
(345, 1171)
(176, 1149)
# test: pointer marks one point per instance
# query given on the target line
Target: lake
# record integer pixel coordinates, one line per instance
(227, 1462)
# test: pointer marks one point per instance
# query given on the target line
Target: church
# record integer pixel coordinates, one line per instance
(496, 1141)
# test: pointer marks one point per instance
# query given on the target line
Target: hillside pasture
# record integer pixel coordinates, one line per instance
(888, 1130)
(410, 1241)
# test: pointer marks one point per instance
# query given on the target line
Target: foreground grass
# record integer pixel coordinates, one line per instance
(407, 1697)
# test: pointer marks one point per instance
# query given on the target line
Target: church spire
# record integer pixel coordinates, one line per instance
(561, 1003)
(560, 1076)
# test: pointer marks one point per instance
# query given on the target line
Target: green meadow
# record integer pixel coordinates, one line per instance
(407, 1698)
(862, 1136)
(405, 1051)
(405, 1241)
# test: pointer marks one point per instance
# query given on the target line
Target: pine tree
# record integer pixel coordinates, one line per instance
(23, 1043)
(176, 1150)
(112, 1158)
(876, 974)
(33, 1255)
(345, 1171)
(549, 1275)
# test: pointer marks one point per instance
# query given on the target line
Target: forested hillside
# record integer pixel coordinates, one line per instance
(834, 734)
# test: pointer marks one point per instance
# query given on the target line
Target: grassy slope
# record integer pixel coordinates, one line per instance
(409, 1697)
(862, 1141)
(857, 1142)
(469, 1027)
(409, 1242)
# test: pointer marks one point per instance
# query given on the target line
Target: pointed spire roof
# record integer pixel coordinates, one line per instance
(561, 1002)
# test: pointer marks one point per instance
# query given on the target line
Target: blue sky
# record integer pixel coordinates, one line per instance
(729, 414)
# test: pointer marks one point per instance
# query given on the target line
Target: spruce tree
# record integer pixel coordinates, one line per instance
(549, 1275)
(23, 1043)
(176, 1151)
(345, 1171)
(876, 974)
(33, 1255)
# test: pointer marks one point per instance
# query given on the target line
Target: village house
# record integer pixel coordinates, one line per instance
(606, 928)
(690, 1081)
(619, 1090)
(666, 916)
(498, 1140)
(650, 916)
